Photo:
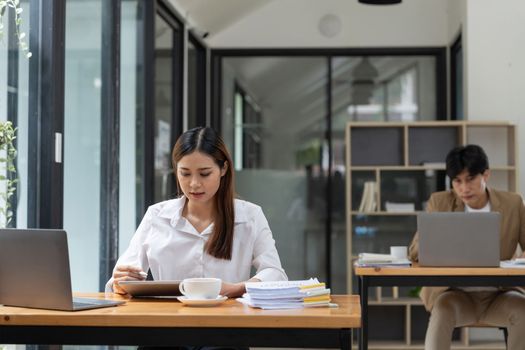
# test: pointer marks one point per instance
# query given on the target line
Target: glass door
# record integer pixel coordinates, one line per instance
(167, 118)
(82, 140)
(274, 122)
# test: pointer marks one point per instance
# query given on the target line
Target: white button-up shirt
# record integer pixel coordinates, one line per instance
(168, 244)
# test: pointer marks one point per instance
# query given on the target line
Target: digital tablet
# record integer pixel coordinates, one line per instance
(151, 288)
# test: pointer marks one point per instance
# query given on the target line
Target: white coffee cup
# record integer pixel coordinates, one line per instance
(201, 288)
(399, 252)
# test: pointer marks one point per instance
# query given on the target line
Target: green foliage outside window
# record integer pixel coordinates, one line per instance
(8, 178)
(14, 5)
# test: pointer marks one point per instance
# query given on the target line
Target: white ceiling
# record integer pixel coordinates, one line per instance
(291, 91)
(213, 16)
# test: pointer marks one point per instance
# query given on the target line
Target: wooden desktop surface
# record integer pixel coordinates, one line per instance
(416, 270)
(171, 313)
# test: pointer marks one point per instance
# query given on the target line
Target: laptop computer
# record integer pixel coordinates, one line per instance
(34, 271)
(459, 239)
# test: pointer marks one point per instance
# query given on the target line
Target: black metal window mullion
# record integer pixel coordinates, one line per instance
(216, 92)
(110, 139)
(178, 47)
(454, 50)
(46, 113)
(145, 93)
(200, 80)
(328, 224)
(177, 72)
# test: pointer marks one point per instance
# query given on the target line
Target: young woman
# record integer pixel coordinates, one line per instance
(205, 232)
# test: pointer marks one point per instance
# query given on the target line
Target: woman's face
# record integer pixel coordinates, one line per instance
(199, 176)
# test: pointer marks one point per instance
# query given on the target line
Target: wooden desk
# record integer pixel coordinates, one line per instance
(165, 322)
(429, 276)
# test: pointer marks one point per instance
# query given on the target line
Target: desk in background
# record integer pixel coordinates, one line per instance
(164, 322)
(429, 276)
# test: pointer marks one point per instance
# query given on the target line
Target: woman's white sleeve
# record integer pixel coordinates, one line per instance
(265, 257)
(135, 254)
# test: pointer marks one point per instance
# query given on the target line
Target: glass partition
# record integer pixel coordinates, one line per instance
(283, 119)
(131, 128)
(274, 123)
(372, 89)
(167, 103)
(82, 122)
(14, 84)
(196, 83)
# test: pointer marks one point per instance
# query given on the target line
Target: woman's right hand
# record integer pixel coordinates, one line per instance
(126, 273)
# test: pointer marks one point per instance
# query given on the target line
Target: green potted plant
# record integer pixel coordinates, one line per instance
(20, 35)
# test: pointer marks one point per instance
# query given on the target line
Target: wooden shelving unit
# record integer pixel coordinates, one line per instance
(407, 163)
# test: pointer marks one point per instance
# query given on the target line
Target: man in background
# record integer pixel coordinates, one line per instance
(468, 169)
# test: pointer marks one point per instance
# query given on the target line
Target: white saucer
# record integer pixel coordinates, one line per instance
(202, 302)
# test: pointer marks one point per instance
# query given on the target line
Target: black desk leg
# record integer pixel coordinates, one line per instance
(363, 292)
(345, 338)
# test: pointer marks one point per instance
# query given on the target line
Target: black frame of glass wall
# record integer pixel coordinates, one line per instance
(200, 80)
(456, 97)
(46, 113)
(217, 56)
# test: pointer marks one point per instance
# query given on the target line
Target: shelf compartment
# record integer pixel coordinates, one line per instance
(497, 142)
(431, 145)
(389, 151)
(410, 186)
(375, 234)
(358, 183)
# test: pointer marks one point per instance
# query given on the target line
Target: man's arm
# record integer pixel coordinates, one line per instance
(413, 250)
(522, 228)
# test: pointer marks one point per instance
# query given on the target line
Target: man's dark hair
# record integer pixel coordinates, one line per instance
(470, 157)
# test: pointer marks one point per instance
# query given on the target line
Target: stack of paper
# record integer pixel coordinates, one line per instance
(372, 260)
(518, 263)
(286, 294)
(393, 207)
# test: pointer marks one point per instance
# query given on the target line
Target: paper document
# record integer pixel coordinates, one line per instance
(372, 260)
(286, 294)
(516, 263)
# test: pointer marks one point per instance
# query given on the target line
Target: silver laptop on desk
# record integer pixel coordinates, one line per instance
(34, 271)
(459, 239)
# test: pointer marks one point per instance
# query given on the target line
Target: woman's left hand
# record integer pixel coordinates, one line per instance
(232, 290)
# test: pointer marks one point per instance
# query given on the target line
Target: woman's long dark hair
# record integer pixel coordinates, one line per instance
(207, 141)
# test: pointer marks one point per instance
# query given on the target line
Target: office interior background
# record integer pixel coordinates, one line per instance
(111, 84)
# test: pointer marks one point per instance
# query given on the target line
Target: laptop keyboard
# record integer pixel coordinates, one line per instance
(85, 302)
(80, 304)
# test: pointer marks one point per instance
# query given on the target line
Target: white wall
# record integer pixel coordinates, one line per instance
(294, 23)
(457, 12)
(494, 70)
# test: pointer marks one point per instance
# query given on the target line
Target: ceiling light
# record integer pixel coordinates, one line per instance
(363, 82)
(380, 2)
